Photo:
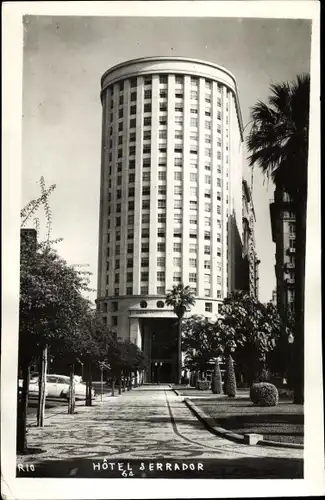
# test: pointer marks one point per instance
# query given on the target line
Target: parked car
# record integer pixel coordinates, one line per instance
(33, 387)
(58, 386)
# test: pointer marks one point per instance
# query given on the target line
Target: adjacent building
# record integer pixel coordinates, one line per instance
(171, 196)
(283, 225)
(250, 273)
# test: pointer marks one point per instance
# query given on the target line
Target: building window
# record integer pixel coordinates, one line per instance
(162, 218)
(160, 275)
(208, 307)
(207, 292)
(117, 278)
(144, 290)
(147, 80)
(147, 121)
(145, 247)
(163, 120)
(192, 277)
(177, 261)
(178, 134)
(145, 262)
(143, 304)
(146, 176)
(145, 204)
(178, 189)
(192, 262)
(130, 248)
(145, 232)
(161, 203)
(177, 277)
(160, 247)
(160, 261)
(207, 249)
(144, 276)
(177, 247)
(163, 78)
(147, 108)
(193, 219)
(146, 190)
(160, 304)
(163, 93)
(179, 109)
(114, 320)
(145, 218)
(178, 218)
(129, 263)
(161, 233)
(160, 290)
(193, 122)
(147, 94)
(146, 162)
(131, 220)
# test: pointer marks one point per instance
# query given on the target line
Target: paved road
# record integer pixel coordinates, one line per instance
(148, 423)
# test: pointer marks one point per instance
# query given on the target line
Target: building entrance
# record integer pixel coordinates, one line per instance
(159, 336)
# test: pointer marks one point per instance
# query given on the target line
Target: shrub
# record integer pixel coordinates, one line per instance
(264, 394)
(203, 385)
(230, 379)
(216, 379)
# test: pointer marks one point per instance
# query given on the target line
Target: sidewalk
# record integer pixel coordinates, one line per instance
(149, 422)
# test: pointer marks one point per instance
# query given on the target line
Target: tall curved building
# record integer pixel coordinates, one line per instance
(171, 196)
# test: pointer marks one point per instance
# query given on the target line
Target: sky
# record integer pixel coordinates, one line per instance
(63, 60)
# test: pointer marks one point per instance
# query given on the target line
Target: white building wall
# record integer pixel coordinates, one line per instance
(214, 172)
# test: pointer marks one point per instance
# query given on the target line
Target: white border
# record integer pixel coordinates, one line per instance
(313, 484)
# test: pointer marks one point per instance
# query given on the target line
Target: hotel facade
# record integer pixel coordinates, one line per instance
(171, 196)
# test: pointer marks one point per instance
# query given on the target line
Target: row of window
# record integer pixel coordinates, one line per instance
(177, 277)
(163, 120)
(163, 135)
(178, 176)
(161, 290)
(162, 163)
(161, 247)
(161, 233)
(161, 262)
(163, 106)
(163, 79)
(163, 94)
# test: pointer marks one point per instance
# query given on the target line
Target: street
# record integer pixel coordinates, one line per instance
(149, 424)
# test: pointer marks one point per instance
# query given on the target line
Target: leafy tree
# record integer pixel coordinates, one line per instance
(201, 342)
(278, 143)
(180, 298)
(249, 331)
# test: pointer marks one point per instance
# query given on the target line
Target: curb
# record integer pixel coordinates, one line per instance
(210, 423)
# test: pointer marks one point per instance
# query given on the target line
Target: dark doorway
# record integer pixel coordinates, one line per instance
(159, 344)
(161, 372)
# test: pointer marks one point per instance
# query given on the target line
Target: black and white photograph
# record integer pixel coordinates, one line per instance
(162, 281)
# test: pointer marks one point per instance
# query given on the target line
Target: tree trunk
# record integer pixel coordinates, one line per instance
(113, 386)
(72, 399)
(89, 385)
(120, 384)
(299, 365)
(42, 388)
(22, 410)
(179, 352)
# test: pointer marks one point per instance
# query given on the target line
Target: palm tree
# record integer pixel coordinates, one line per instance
(180, 297)
(278, 143)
